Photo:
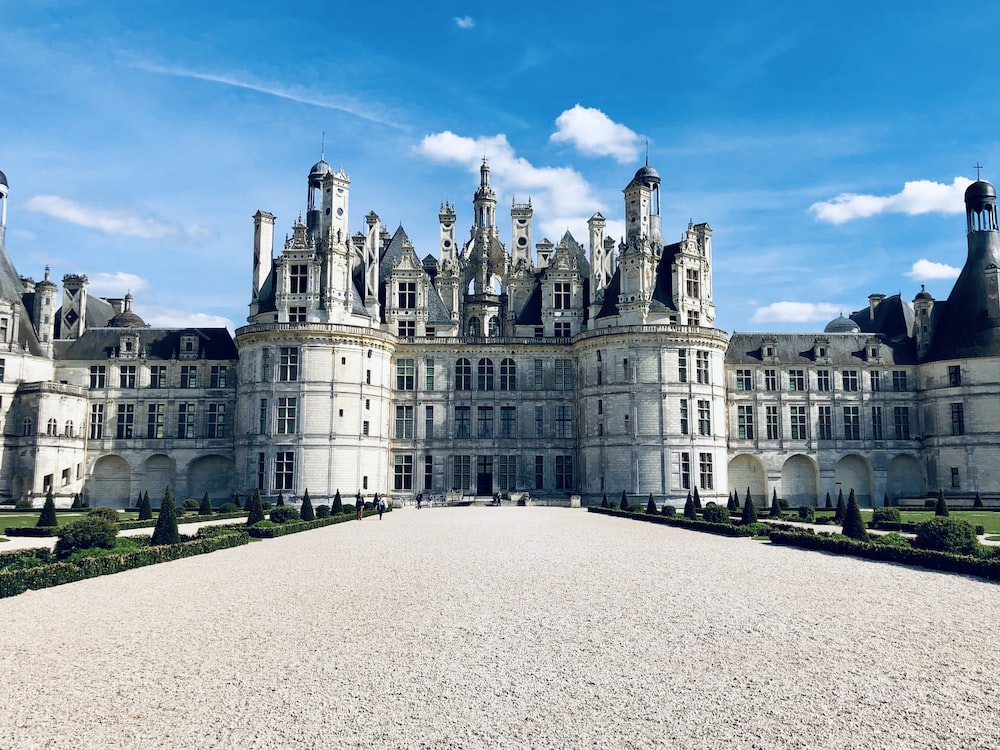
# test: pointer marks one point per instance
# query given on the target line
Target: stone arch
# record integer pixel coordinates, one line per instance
(854, 472)
(745, 471)
(158, 473)
(212, 474)
(799, 480)
(110, 483)
(904, 478)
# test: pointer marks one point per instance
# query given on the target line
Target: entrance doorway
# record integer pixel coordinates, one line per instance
(484, 475)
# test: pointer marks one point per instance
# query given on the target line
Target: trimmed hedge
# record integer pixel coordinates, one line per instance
(293, 527)
(124, 525)
(31, 530)
(944, 561)
(722, 529)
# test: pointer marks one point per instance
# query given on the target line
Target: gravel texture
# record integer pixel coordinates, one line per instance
(504, 628)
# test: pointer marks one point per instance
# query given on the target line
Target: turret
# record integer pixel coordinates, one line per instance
(45, 311)
(263, 248)
(74, 306)
(3, 205)
(485, 201)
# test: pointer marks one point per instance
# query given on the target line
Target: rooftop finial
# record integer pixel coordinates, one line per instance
(978, 168)
(647, 152)
(322, 147)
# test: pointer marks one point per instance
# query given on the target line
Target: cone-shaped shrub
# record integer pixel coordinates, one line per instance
(697, 499)
(651, 505)
(77, 502)
(281, 500)
(749, 510)
(829, 502)
(734, 503)
(885, 501)
(854, 527)
(145, 511)
(978, 502)
(166, 522)
(145, 496)
(338, 505)
(306, 511)
(941, 509)
(838, 516)
(205, 509)
(47, 518)
(255, 509)
(604, 500)
(775, 506)
(689, 511)
(236, 499)
(623, 503)
(138, 500)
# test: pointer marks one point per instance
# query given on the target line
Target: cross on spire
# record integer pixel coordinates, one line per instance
(978, 168)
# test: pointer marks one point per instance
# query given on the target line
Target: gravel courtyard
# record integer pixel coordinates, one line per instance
(504, 628)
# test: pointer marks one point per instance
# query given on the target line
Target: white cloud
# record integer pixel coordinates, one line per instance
(465, 22)
(174, 318)
(592, 132)
(115, 284)
(928, 270)
(917, 197)
(117, 221)
(796, 312)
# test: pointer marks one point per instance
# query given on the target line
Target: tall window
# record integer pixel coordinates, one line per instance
(682, 366)
(852, 423)
(684, 416)
(284, 470)
(286, 415)
(562, 330)
(189, 376)
(52, 428)
(899, 380)
(507, 472)
(561, 295)
(463, 375)
(126, 376)
(185, 421)
(954, 376)
(770, 380)
(484, 419)
(685, 470)
(217, 377)
(956, 481)
(69, 430)
(155, 421)
(701, 366)
(825, 423)
(407, 295)
(564, 472)
(539, 472)
(429, 374)
(849, 380)
(538, 375)
(484, 375)
(957, 419)
(405, 374)
(539, 420)
(27, 426)
(797, 418)
(428, 472)
(564, 375)
(744, 380)
(298, 279)
(461, 473)
(796, 380)
(564, 421)
(772, 422)
(261, 471)
(126, 421)
(297, 314)
(704, 417)
(875, 380)
(406, 329)
(463, 420)
(878, 432)
(692, 285)
(508, 422)
(262, 417)
(508, 375)
(402, 472)
(288, 363)
(901, 422)
(705, 478)
(158, 376)
(744, 422)
(98, 376)
(428, 422)
(822, 380)
(216, 420)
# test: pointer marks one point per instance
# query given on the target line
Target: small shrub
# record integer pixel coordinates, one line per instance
(734, 503)
(281, 500)
(604, 500)
(165, 531)
(930, 503)
(23, 504)
(322, 511)
(668, 510)
(265, 524)
(145, 510)
(521, 502)
(623, 504)
(229, 507)
(338, 506)
(689, 511)
(892, 539)
(838, 516)
(885, 518)
(205, 509)
(109, 514)
(284, 514)
(978, 503)
(829, 502)
(941, 506)
(650, 505)
(749, 514)
(93, 531)
(775, 511)
(715, 513)
(255, 509)
(306, 511)
(48, 515)
(77, 502)
(854, 527)
(190, 504)
(947, 535)
(980, 529)
(807, 514)
(783, 504)
(697, 499)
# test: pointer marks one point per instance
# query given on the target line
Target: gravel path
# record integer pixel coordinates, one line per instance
(504, 628)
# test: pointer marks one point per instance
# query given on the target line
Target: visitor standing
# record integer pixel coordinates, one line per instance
(420, 499)
(360, 506)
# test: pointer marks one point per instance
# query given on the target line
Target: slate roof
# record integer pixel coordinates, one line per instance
(158, 343)
(798, 349)
(893, 318)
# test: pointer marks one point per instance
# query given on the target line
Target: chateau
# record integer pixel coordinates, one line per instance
(549, 368)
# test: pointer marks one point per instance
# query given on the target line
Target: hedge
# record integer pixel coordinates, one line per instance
(31, 530)
(293, 527)
(722, 529)
(18, 581)
(944, 561)
(149, 524)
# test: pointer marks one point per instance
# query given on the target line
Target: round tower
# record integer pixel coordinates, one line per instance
(45, 310)
(3, 204)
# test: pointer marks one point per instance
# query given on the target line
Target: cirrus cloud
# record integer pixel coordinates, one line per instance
(916, 197)
(465, 22)
(115, 221)
(593, 133)
(928, 270)
(796, 312)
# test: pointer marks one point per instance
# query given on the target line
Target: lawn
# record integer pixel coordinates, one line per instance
(30, 518)
(989, 520)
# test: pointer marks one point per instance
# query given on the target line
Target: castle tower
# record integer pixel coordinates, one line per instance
(449, 276)
(45, 311)
(520, 216)
(263, 248)
(485, 202)
(642, 208)
(3, 205)
(317, 222)
(371, 253)
(601, 263)
(74, 306)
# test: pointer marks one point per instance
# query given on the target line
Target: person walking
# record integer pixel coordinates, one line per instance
(380, 507)
(360, 506)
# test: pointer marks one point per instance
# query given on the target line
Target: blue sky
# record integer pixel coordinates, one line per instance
(828, 145)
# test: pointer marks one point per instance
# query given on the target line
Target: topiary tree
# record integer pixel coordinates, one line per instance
(978, 503)
(145, 510)
(604, 500)
(775, 506)
(941, 509)
(47, 518)
(281, 500)
(623, 505)
(651, 505)
(829, 502)
(284, 514)
(205, 508)
(306, 511)
(145, 496)
(322, 511)
(338, 505)
(138, 500)
(255, 509)
(838, 516)
(734, 503)
(92, 531)
(885, 501)
(689, 511)
(77, 502)
(854, 527)
(947, 535)
(668, 510)
(807, 514)
(107, 513)
(716, 513)
(697, 499)
(236, 500)
(749, 510)
(165, 531)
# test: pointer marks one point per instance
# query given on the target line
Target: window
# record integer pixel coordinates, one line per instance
(69, 429)
(217, 378)
(564, 472)
(126, 376)
(705, 478)
(428, 422)
(770, 380)
(4, 329)
(694, 318)
(185, 421)
(796, 380)
(475, 327)
(852, 423)
(538, 376)
(288, 363)
(825, 424)
(954, 376)
(901, 422)
(682, 366)
(797, 417)
(158, 376)
(284, 470)
(561, 295)
(155, 420)
(564, 421)
(484, 375)
(65, 477)
(98, 376)
(298, 279)
(216, 420)
(508, 422)
(562, 330)
(52, 428)
(772, 422)
(261, 470)
(685, 471)
(27, 427)
(899, 380)
(600, 376)
(539, 472)
(406, 298)
(744, 422)
(684, 416)
(406, 329)
(429, 374)
(957, 419)
(704, 417)
(564, 374)
(405, 374)
(508, 375)
(878, 432)
(463, 375)
(600, 406)
(126, 421)
(96, 421)
(692, 285)
(428, 472)
(701, 366)
(822, 380)
(744, 380)
(368, 377)
(849, 380)
(539, 421)
(461, 473)
(189, 376)
(484, 420)
(286, 415)
(507, 472)
(297, 314)
(463, 421)
(402, 472)
(365, 427)
(875, 379)
(262, 417)
(956, 482)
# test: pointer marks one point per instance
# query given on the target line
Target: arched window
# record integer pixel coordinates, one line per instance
(475, 328)
(485, 375)
(508, 375)
(69, 429)
(493, 326)
(463, 375)
(26, 426)
(52, 428)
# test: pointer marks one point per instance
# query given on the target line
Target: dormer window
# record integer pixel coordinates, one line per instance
(128, 346)
(189, 346)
